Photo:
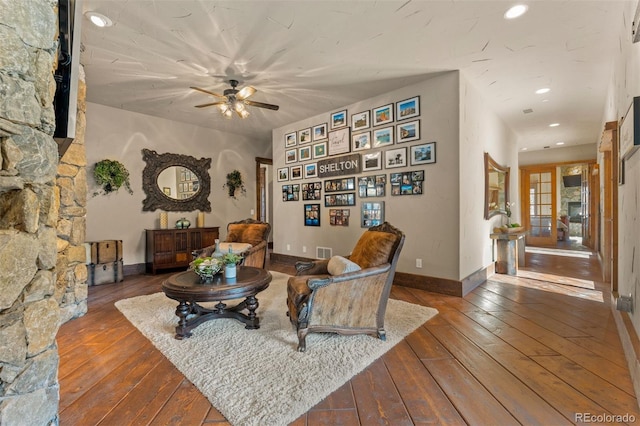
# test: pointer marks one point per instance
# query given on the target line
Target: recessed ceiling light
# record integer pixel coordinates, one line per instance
(516, 11)
(545, 100)
(559, 143)
(98, 19)
(524, 149)
(554, 124)
(543, 90)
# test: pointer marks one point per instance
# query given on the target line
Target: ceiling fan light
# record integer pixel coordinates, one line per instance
(238, 106)
(244, 113)
(227, 113)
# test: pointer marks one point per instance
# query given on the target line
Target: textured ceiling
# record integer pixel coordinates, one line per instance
(311, 57)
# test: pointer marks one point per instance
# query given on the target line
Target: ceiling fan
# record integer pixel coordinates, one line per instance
(234, 100)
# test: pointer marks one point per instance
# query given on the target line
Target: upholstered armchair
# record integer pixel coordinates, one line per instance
(247, 237)
(346, 295)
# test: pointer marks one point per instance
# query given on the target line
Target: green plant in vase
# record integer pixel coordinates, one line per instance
(111, 175)
(234, 181)
(230, 260)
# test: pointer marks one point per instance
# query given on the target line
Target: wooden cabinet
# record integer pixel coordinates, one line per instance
(171, 248)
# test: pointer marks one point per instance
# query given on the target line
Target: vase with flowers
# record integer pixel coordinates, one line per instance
(230, 261)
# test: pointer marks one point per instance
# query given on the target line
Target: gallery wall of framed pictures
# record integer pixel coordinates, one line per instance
(387, 137)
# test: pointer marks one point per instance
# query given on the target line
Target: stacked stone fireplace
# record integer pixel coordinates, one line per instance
(42, 216)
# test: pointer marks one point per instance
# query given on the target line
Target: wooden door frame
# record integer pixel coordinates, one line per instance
(260, 161)
(594, 195)
(609, 147)
(524, 199)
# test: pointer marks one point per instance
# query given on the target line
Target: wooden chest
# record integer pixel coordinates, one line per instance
(107, 251)
(104, 273)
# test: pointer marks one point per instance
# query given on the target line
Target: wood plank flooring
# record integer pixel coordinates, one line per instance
(531, 350)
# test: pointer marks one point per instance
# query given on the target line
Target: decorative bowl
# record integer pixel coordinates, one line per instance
(206, 268)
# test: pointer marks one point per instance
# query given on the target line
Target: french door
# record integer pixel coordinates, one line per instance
(539, 205)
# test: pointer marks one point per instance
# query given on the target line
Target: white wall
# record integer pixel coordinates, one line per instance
(585, 152)
(624, 86)
(430, 220)
(481, 131)
(121, 135)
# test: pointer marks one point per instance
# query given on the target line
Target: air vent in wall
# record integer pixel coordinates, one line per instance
(324, 252)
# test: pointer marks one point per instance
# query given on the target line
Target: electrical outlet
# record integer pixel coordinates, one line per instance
(253, 212)
(288, 247)
(304, 249)
(418, 263)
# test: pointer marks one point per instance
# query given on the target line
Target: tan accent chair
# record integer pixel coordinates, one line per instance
(249, 231)
(348, 303)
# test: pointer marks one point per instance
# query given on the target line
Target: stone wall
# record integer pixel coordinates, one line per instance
(71, 282)
(29, 312)
(570, 194)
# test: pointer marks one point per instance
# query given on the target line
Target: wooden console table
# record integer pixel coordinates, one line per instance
(171, 248)
(511, 249)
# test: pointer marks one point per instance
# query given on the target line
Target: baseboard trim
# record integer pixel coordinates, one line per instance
(421, 282)
(630, 345)
(135, 269)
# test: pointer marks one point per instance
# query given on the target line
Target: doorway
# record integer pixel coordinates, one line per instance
(559, 205)
(264, 191)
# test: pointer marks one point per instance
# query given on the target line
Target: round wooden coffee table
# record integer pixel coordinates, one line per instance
(187, 289)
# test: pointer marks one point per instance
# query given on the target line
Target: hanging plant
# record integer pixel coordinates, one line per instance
(234, 181)
(111, 175)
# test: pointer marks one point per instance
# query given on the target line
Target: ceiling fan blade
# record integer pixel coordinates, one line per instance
(210, 104)
(262, 105)
(208, 92)
(245, 92)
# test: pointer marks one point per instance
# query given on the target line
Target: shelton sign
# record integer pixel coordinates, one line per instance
(339, 166)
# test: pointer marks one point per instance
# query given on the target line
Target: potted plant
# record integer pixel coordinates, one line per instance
(234, 181)
(206, 268)
(230, 260)
(111, 175)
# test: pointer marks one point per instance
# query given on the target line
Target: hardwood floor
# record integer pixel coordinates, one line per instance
(537, 349)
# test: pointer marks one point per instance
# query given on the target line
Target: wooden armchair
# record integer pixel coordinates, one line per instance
(250, 231)
(346, 296)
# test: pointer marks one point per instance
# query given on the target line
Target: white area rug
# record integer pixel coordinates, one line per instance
(257, 377)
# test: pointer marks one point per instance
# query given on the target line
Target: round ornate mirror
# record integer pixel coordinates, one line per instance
(178, 183)
(175, 182)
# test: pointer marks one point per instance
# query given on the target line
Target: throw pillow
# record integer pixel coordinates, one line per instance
(338, 265)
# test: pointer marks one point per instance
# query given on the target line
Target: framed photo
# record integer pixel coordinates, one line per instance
(395, 158)
(312, 215)
(310, 170)
(291, 156)
(304, 136)
(383, 137)
(407, 183)
(383, 115)
(407, 132)
(372, 186)
(166, 190)
(311, 191)
(345, 199)
(304, 153)
(291, 192)
(295, 173)
(183, 176)
(361, 141)
(372, 161)
(339, 141)
(319, 150)
(339, 217)
(372, 214)
(283, 174)
(408, 108)
(360, 121)
(423, 154)
(338, 119)
(629, 130)
(337, 185)
(319, 132)
(290, 139)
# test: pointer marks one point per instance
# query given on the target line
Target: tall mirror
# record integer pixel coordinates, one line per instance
(175, 182)
(496, 187)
